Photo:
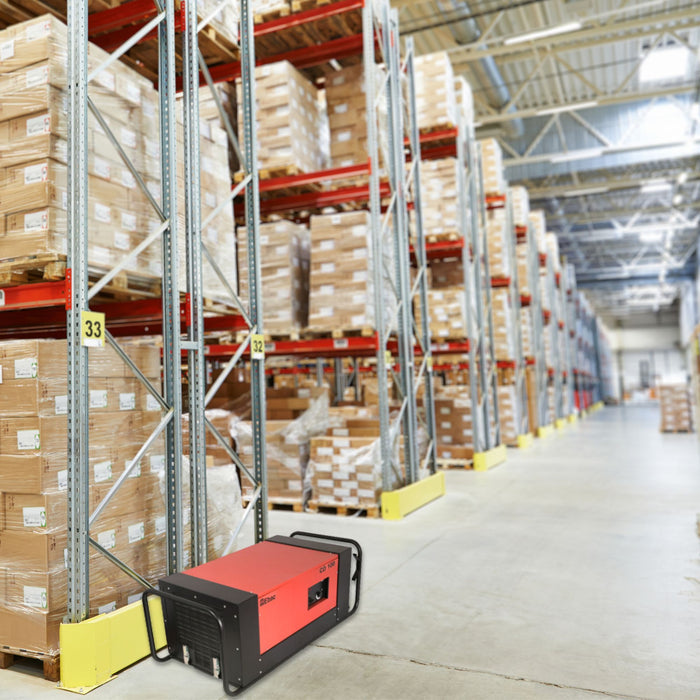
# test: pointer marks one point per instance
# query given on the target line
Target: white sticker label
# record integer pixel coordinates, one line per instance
(35, 597)
(103, 168)
(107, 608)
(63, 480)
(135, 472)
(38, 76)
(34, 517)
(133, 93)
(37, 31)
(103, 472)
(210, 200)
(28, 440)
(137, 532)
(98, 398)
(160, 525)
(128, 221)
(107, 539)
(157, 463)
(128, 137)
(128, 179)
(151, 403)
(7, 50)
(122, 241)
(26, 368)
(36, 173)
(1, 365)
(127, 402)
(103, 213)
(107, 80)
(61, 405)
(36, 126)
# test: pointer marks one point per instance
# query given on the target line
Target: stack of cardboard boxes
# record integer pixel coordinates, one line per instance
(341, 285)
(347, 116)
(289, 118)
(284, 260)
(676, 408)
(453, 418)
(436, 99)
(539, 228)
(448, 319)
(492, 166)
(33, 484)
(503, 325)
(507, 414)
(344, 463)
(294, 416)
(33, 150)
(440, 201)
(498, 244)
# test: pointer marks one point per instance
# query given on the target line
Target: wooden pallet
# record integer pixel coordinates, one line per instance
(453, 463)
(47, 267)
(432, 128)
(302, 5)
(450, 237)
(50, 663)
(678, 430)
(270, 337)
(343, 510)
(288, 504)
(50, 267)
(269, 15)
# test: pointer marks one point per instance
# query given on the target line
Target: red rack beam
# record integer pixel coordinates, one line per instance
(525, 300)
(316, 347)
(287, 181)
(495, 201)
(451, 347)
(317, 200)
(307, 17)
(439, 152)
(306, 57)
(121, 16)
(500, 282)
(506, 364)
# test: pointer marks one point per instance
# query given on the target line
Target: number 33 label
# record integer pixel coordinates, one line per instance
(92, 329)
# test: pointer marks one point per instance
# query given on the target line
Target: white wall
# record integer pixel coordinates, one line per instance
(658, 346)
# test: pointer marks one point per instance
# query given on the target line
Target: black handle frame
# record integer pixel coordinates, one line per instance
(357, 554)
(197, 606)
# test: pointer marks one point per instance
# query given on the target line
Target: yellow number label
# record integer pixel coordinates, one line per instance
(92, 329)
(257, 347)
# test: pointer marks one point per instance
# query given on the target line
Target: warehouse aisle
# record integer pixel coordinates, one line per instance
(571, 571)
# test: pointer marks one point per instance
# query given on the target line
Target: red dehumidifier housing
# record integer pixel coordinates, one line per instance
(239, 616)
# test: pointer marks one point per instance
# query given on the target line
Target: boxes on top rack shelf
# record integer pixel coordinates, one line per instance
(435, 92)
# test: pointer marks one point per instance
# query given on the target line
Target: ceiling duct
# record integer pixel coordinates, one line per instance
(467, 32)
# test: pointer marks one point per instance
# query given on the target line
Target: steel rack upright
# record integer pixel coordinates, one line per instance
(511, 283)
(377, 40)
(165, 25)
(537, 262)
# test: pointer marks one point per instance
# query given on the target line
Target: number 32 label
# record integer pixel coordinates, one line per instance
(92, 329)
(257, 347)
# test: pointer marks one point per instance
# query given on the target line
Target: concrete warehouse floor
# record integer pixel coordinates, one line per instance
(571, 571)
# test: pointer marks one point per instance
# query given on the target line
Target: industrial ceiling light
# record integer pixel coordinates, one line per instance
(695, 111)
(577, 155)
(651, 236)
(665, 63)
(677, 199)
(585, 191)
(566, 108)
(683, 178)
(543, 33)
(655, 186)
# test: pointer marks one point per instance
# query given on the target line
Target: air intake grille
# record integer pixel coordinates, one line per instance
(200, 633)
